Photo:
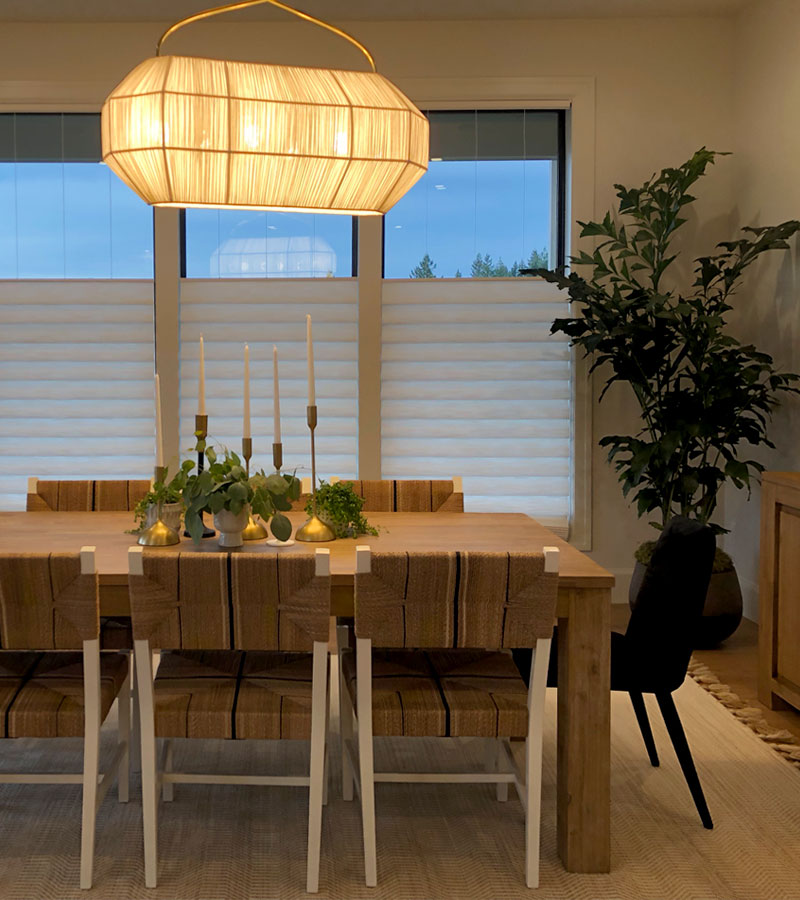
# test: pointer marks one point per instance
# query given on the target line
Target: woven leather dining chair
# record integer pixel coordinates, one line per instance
(48, 605)
(248, 641)
(444, 623)
(409, 495)
(85, 496)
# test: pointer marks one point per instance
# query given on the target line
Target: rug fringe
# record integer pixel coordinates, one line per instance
(781, 740)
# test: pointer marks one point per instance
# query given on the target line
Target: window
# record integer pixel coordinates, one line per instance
(491, 202)
(240, 243)
(63, 214)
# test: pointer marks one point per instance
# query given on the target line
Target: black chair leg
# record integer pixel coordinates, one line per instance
(679, 742)
(639, 708)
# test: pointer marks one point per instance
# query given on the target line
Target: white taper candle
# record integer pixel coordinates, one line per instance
(312, 397)
(201, 381)
(276, 399)
(246, 419)
(159, 431)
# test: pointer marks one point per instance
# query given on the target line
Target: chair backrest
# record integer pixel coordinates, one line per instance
(48, 601)
(85, 496)
(410, 495)
(237, 601)
(658, 640)
(455, 599)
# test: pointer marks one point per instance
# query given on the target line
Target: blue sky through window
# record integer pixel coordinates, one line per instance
(461, 208)
(71, 220)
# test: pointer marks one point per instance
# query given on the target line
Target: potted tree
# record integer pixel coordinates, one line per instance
(226, 490)
(705, 398)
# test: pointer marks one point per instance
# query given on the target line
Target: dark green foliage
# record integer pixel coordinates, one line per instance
(340, 506)
(704, 396)
(424, 269)
(224, 484)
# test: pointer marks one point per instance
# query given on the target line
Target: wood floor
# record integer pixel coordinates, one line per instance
(734, 662)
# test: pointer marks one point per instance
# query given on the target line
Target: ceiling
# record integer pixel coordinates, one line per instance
(362, 10)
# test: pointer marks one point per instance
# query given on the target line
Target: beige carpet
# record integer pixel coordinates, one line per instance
(226, 843)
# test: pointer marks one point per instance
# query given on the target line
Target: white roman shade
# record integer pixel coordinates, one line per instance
(262, 313)
(473, 384)
(76, 382)
(187, 131)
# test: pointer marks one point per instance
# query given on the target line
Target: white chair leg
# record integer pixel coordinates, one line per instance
(365, 759)
(345, 717)
(319, 702)
(91, 756)
(346, 708)
(124, 735)
(144, 675)
(533, 760)
(334, 700)
(167, 787)
(494, 755)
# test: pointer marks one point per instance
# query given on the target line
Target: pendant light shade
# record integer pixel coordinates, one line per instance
(188, 131)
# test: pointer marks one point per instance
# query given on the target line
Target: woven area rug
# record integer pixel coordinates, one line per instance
(434, 841)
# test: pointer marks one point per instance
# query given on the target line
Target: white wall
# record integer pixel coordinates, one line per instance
(767, 191)
(663, 89)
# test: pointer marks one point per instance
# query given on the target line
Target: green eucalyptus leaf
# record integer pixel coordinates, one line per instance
(276, 484)
(281, 527)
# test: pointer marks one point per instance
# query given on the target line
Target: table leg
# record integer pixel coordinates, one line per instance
(584, 730)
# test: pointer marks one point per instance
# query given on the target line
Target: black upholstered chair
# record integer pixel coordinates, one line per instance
(653, 655)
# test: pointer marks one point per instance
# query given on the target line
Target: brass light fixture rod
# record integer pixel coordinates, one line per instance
(243, 4)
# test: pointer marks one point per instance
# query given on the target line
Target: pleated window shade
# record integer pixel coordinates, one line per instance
(473, 384)
(262, 313)
(76, 382)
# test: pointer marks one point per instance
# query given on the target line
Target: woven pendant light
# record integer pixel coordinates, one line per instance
(188, 131)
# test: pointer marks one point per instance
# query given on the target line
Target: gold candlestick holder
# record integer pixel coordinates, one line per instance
(315, 529)
(159, 534)
(201, 433)
(277, 461)
(254, 531)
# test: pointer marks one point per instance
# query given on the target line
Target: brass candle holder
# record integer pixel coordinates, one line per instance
(201, 433)
(159, 534)
(315, 529)
(277, 461)
(254, 531)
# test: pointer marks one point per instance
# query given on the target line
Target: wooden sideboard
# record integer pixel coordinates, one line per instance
(779, 591)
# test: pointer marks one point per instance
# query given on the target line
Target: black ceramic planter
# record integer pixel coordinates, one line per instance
(722, 612)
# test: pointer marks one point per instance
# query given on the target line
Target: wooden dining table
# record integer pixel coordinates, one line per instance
(583, 616)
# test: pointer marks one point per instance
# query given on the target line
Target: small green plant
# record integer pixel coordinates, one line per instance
(162, 492)
(340, 506)
(226, 485)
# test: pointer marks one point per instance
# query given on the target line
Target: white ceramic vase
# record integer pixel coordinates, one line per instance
(231, 525)
(170, 515)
